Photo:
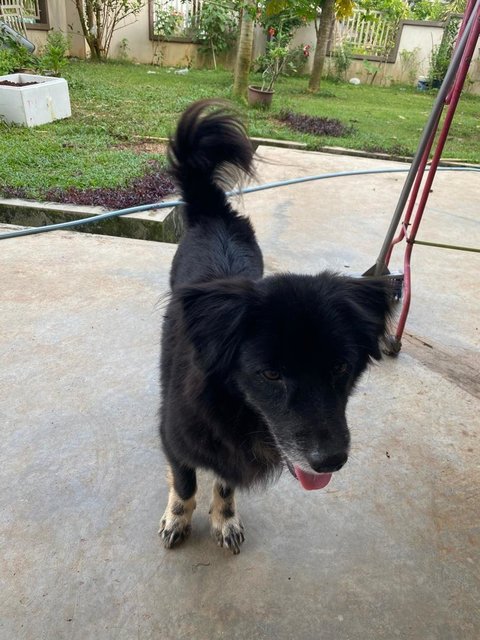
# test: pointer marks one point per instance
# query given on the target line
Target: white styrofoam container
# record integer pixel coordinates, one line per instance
(34, 104)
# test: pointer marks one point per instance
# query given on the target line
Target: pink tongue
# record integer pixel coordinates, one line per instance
(310, 481)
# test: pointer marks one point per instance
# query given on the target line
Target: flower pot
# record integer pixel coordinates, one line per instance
(259, 98)
(32, 100)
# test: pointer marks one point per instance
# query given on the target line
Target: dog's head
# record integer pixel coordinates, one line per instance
(293, 346)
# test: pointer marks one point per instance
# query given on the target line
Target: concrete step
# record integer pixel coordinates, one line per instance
(146, 225)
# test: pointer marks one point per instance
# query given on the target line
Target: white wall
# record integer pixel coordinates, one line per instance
(62, 16)
(141, 49)
(418, 37)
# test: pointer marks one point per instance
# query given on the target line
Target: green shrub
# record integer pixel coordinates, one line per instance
(13, 55)
(7, 61)
(53, 58)
(342, 59)
(216, 28)
(442, 54)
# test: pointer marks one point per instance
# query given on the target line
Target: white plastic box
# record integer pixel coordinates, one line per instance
(34, 104)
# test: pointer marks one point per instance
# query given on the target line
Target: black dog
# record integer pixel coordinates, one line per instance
(256, 372)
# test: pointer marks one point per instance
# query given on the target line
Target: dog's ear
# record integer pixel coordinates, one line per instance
(214, 316)
(369, 306)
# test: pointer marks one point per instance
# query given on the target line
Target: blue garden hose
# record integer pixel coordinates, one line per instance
(174, 203)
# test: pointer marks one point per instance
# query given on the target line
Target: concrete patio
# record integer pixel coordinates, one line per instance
(389, 550)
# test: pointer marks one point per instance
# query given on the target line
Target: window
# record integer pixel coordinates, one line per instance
(173, 19)
(35, 13)
(24, 14)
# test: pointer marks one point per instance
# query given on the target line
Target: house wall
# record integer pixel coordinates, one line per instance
(57, 20)
(78, 46)
(418, 38)
(62, 16)
(171, 53)
(142, 49)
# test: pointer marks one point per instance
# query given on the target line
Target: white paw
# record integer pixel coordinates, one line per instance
(175, 524)
(228, 532)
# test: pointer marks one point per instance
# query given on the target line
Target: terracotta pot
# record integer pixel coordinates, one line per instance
(259, 98)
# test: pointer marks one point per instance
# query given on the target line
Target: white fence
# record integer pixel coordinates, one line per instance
(31, 9)
(366, 34)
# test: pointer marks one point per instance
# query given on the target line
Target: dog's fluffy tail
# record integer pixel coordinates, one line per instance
(210, 152)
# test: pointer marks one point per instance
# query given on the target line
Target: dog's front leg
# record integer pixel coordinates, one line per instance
(175, 524)
(227, 528)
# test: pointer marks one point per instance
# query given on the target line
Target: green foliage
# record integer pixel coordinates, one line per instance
(276, 57)
(123, 50)
(279, 59)
(52, 59)
(409, 62)
(297, 60)
(371, 69)
(457, 6)
(287, 20)
(7, 61)
(99, 19)
(428, 10)
(216, 28)
(392, 10)
(306, 10)
(442, 54)
(167, 22)
(395, 10)
(342, 59)
(54, 54)
(14, 56)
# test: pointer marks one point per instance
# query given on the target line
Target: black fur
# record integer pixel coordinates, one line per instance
(255, 371)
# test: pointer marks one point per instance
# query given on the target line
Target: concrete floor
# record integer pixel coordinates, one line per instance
(390, 549)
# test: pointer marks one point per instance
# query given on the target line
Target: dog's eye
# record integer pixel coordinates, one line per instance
(271, 375)
(340, 368)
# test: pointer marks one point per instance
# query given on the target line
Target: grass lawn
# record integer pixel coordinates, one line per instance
(114, 104)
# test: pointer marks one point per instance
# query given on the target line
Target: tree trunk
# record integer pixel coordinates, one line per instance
(323, 33)
(244, 55)
(87, 23)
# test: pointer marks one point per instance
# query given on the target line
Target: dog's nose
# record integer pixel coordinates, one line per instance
(322, 463)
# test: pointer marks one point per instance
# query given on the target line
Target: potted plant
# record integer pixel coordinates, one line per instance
(273, 63)
(32, 99)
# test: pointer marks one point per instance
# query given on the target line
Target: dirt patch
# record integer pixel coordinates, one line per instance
(144, 146)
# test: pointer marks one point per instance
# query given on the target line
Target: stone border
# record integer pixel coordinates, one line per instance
(146, 225)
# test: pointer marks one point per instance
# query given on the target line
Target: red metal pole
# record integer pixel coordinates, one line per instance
(453, 102)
